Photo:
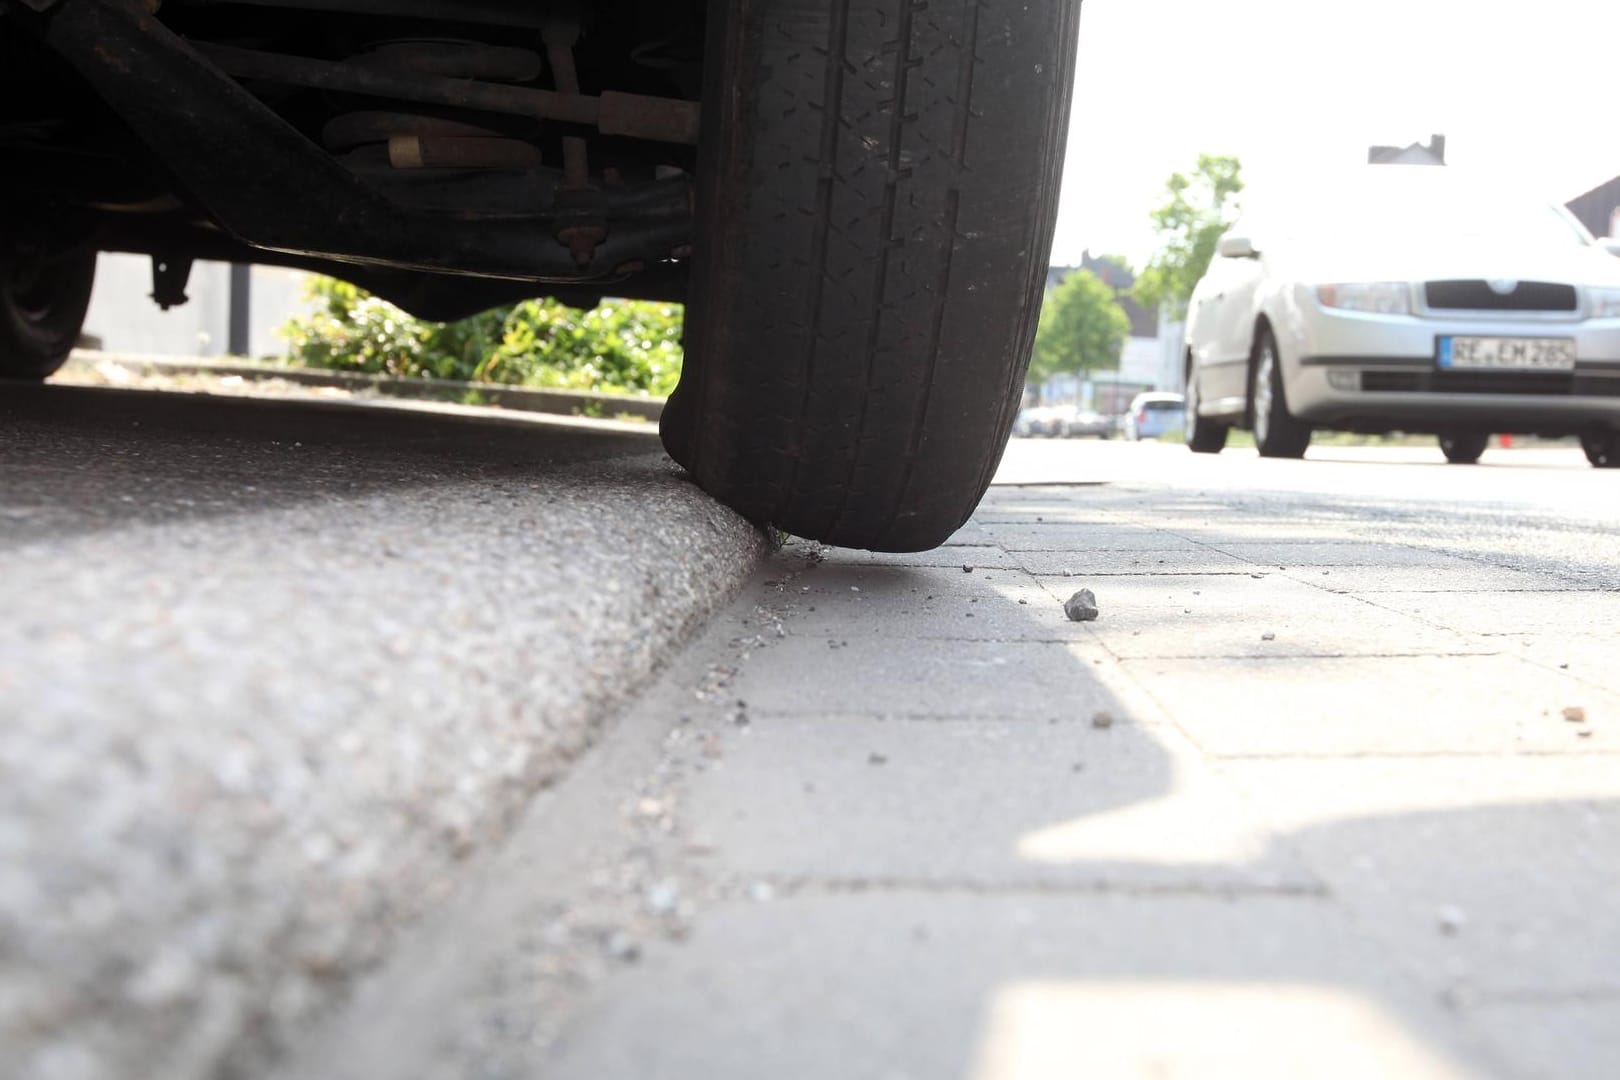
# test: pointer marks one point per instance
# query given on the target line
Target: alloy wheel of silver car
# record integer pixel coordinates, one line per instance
(1277, 433)
(1262, 391)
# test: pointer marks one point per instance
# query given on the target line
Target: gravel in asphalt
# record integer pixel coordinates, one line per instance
(271, 674)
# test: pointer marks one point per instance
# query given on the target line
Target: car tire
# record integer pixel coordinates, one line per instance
(1277, 432)
(877, 188)
(1602, 448)
(1202, 436)
(42, 307)
(1464, 447)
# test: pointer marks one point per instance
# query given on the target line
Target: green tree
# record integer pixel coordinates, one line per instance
(1082, 328)
(1196, 211)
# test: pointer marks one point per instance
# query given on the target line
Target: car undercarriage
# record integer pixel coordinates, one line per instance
(391, 142)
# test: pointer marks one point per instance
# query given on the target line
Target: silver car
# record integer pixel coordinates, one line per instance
(1412, 298)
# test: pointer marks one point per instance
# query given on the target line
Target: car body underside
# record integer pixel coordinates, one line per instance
(448, 155)
(854, 199)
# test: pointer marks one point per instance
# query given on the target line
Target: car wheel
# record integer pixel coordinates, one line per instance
(42, 306)
(1463, 448)
(1203, 436)
(877, 189)
(1602, 448)
(1277, 432)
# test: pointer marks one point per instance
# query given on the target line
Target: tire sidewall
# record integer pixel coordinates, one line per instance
(1464, 448)
(34, 344)
(1277, 433)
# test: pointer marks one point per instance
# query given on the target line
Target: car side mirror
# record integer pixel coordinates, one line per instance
(1236, 247)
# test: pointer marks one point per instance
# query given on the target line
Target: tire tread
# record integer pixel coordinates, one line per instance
(858, 382)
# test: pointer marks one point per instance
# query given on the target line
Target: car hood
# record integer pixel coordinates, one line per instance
(1576, 265)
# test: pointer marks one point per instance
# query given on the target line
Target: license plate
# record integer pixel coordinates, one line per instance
(1507, 354)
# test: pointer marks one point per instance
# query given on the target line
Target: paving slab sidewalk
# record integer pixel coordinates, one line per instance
(856, 832)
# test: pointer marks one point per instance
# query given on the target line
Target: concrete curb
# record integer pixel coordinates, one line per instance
(521, 398)
(230, 781)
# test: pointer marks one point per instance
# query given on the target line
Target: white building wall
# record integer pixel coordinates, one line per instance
(1139, 361)
(1172, 371)
(124, 318)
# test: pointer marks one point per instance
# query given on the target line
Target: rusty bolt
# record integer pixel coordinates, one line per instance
(581, 240)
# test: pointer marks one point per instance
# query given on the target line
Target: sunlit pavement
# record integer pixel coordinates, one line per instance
(1331, 788)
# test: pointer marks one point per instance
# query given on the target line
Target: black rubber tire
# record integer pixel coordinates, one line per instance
(1464, 447)
(1278, 433)
(1203, 436)
(877, 189)
(1602, 448)
(42, 306)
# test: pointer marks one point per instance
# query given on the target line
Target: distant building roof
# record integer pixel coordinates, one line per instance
(1595, 209)
(1432, 152)
(1144, 324)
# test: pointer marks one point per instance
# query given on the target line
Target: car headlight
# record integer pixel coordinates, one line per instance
(1605, 303)
(1383, 297)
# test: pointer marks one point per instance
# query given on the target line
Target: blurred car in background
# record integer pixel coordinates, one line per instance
(1066, 421)
(1153, 414)
(1412, 298)
(1087, 423)
(1038, 421)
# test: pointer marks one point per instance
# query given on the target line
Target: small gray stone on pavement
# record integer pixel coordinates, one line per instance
(1082, 606)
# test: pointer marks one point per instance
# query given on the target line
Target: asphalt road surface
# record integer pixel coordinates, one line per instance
(320, 759)
(271, 672)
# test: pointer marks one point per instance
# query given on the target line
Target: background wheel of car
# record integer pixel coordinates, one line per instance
(1203, 436)
(42, 306)
(876, 195)
(1602, 448)
(1277, 432)
(1464, 448)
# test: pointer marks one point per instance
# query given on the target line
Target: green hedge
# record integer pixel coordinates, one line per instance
(622, 346)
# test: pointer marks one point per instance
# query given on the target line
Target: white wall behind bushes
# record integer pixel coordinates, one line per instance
(123, 316)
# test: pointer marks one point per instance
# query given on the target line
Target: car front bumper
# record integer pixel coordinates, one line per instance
(1376, 372)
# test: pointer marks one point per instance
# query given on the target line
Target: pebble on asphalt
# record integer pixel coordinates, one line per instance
(1102, 720)
(622, 947)
(1081, 607)
(1575, 714)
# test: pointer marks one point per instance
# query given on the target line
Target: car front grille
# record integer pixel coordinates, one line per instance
(1479, 296)
(1475, 382)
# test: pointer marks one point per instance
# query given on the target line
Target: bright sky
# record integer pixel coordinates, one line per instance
(1526, 91)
